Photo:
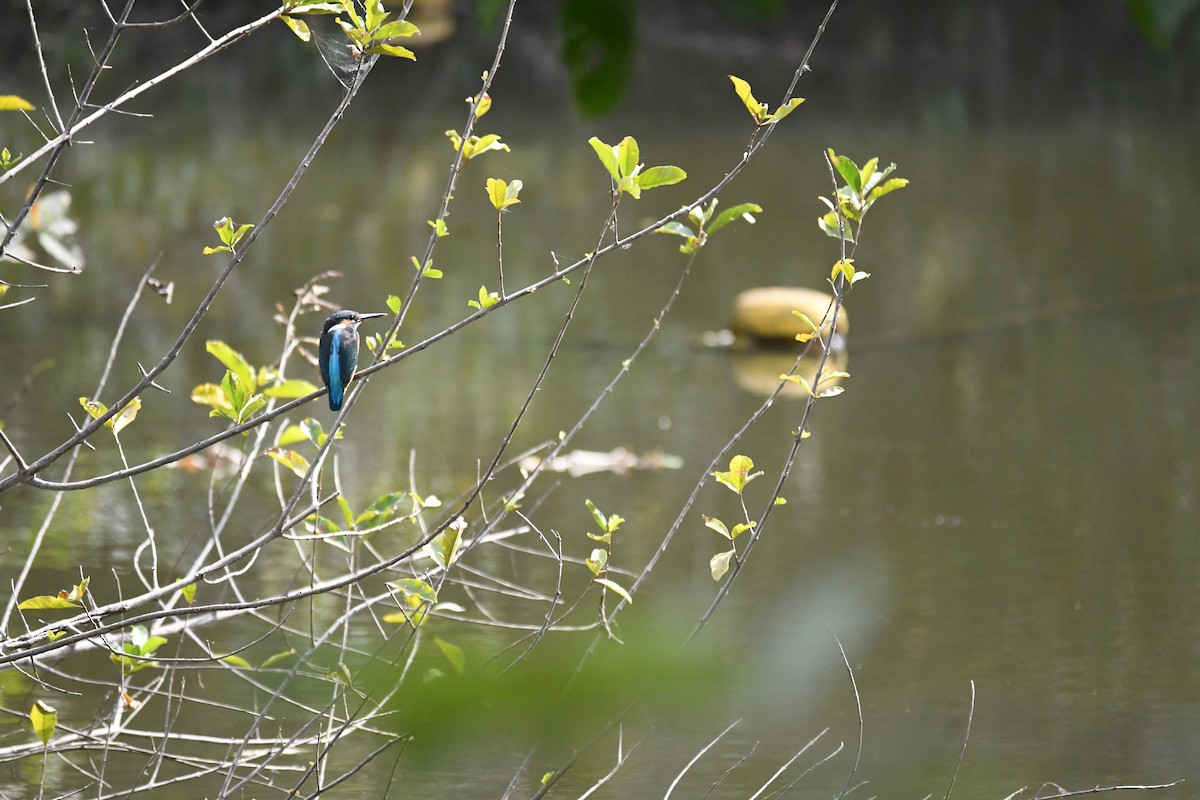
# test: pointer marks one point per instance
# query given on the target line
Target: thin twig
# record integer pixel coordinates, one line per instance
(697, 757)
(966, 737)
(858, 708)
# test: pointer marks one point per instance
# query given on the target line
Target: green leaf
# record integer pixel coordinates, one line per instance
(503, 194)
(485, 103)
(394, 51)
(744, 211)
(785, 109)
(478, 145)
(847, 169)
(234, 390)
(843, 267)
(291, 388)
(347, 514)
(829, 224)
(415, 587)
(660, 176)
(236, 661)
(629, 185)
(252, 406)
(319, 7)
(870, 176)
(138, 636)
(400, 27)
(290, 459)
(497, 190)
(189, 593)
(738, 475)
(719, 564)
(355, 20)
(597, 561)
(1160, 21)
(47, 603)
(445, 547)
(394, 302)
(72, 599)
(485, 300)
(628, 153)
(275, 659)
(375, 14)
(291, 435)
(804, 317)
(886, 188)
(315, 523)
(614, 586)
(382, 509)
(240, 232)
(608, 157)
(597, 515)
(453, 654)
(598, 47)
(44, 719)
(676, 228)
(79, 590)
(235, 362)
(741, 528)
(315, 432)
(144, 642)
(427, 270)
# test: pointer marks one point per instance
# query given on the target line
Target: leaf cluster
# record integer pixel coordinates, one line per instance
(735, 479)
(759, 110)
(369, 33)
(117, 422)
(628, 177)
(708, 222)
(863, 186)
(230, 234)
(63, 600)
(598, 561)
(135, 653)
(244, 390)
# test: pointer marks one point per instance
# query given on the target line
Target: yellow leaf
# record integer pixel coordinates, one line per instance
(44, 719)
(757, 110)
(125, 416)
(94, 408)
(719, 564)
(11, 102)
(290, 459)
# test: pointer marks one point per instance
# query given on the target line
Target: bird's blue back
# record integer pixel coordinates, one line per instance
(338, 356)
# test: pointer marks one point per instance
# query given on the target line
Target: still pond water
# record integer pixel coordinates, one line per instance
(1006, 494)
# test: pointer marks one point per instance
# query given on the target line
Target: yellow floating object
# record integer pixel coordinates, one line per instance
(764, 314)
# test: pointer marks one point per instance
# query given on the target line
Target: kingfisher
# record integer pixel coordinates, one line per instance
(339, 352)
